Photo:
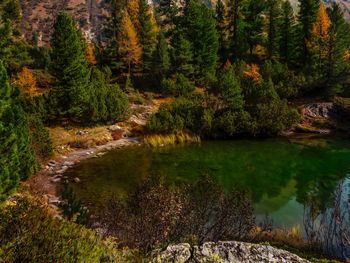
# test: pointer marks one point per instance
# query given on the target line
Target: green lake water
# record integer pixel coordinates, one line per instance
(282, 175)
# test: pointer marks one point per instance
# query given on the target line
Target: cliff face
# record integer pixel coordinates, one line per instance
(39, 15)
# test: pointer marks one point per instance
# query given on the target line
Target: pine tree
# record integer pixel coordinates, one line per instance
(130, 49)
(10, 10)
(16, 157)
(273, 25)
(70, 93)
(167, 11)
(236, 27)
(200, 27)
(307, 16)
(162, 58)
(221, 27)
(110, 54)
(254, 23)
(148, 34)
(182, 56)
(287, 39)
(339, 42)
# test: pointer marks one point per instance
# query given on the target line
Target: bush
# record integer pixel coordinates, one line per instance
(29, 234)
(107, 101)
(178, 85)
(40, 137)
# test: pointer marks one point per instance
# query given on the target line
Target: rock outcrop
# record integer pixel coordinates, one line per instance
(226, 252)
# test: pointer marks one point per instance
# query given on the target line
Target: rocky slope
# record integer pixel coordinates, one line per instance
(39, 15)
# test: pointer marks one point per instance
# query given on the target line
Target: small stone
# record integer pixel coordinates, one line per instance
(76, 180)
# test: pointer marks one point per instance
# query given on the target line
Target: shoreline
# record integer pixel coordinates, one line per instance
(44, 183)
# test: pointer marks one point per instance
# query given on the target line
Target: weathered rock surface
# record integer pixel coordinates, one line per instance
(319, 110)
(226, 252)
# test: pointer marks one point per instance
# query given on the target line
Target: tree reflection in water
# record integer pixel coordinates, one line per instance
(329, 228)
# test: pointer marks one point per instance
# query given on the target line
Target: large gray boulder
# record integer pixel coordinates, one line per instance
(226, 252)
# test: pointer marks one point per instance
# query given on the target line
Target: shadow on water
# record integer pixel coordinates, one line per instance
(290, 183)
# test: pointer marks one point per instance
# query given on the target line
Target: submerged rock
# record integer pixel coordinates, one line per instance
(226, 252)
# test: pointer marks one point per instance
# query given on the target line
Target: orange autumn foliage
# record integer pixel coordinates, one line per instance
(346, 55)
(129, 46)
(320, 31)
(133, 8)
(90, 54)
(253, 73)
(26, 82)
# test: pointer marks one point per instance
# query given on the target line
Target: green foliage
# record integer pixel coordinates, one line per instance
(70, 94)
(107, 101)
(40, 138)
(29, 234)
(162, 58)
(16, 157)
(200, 28)
(178, 85)
(11, 10)
(148, 34)
(307, 16)
(229, 88)
(287, 34)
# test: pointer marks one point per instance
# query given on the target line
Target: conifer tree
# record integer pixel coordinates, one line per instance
(200, 27)
(16, 157)
(221, 26)
(182, 56)
(273, 25)
(307, 16)
(148, 34)
(254, 20)
(236, 27)
(130, 49)
(70, 93)
(133, 9)
(339, 42)
(287, 32)
(162, 58)
(110, 55)
(320, 35)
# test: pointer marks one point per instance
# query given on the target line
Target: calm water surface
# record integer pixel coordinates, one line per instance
(282, 175)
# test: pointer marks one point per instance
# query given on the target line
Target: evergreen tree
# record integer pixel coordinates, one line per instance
(221, 27)
(110, 54)
(167, 11)
(70, 93)
(11, 10)
(307, 16)
(273, 25)
(16, 157)
(254, 20)
(200, 27)
(236, 27)
(339, 42)
(162, 58)
(287, 39)
(182, 56)
(148, 34)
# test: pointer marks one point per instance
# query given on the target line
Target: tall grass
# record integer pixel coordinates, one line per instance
(170, 139)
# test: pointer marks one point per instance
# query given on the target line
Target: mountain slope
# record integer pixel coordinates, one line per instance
(39, 15)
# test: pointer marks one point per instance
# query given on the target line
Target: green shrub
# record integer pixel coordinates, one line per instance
(29, 234)
(178, 85)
